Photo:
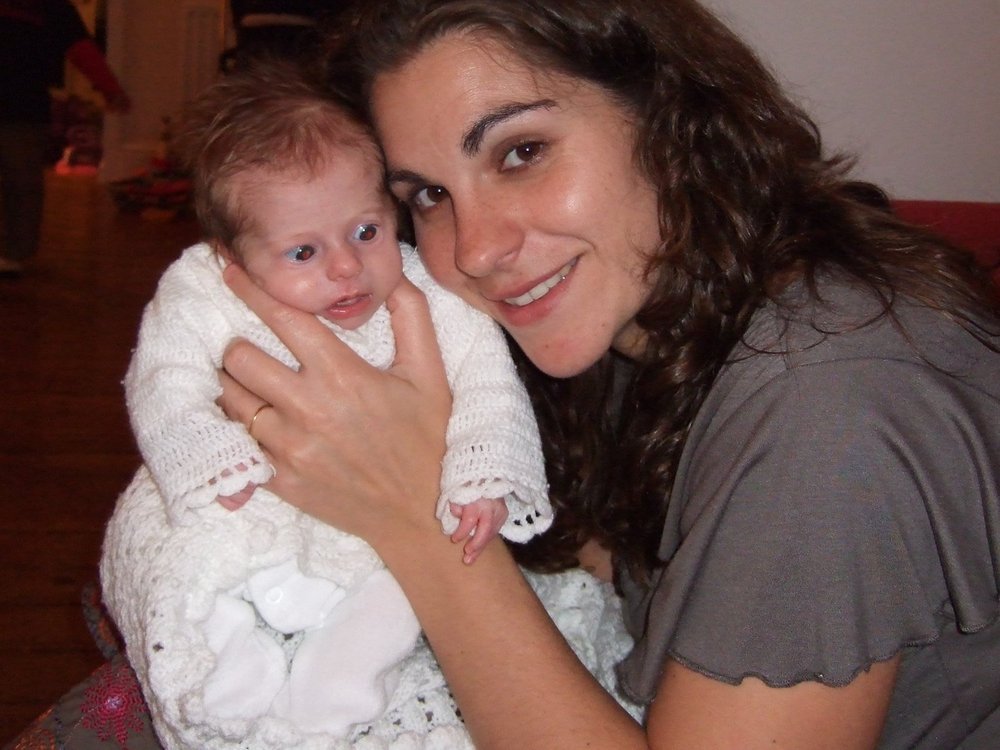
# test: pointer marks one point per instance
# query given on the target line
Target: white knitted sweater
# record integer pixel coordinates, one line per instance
(171, 549)
(187, 442)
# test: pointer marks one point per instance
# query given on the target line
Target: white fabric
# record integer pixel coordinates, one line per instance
(289, 601)
(172, 663)
(344, 672)
(249, 667)
(186, 591)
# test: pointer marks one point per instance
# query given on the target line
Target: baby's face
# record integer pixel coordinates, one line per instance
(325, 244)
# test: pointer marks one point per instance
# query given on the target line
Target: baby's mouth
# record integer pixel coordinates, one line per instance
(349, 301)
(349, 307)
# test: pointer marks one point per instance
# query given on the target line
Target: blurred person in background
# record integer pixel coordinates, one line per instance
(36, 38)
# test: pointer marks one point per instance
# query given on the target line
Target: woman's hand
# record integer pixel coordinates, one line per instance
(357, 447)
(361, 449)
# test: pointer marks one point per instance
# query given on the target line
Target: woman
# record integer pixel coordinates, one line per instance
(771, 402)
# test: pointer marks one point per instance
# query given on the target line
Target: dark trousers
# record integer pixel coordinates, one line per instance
(23, 151)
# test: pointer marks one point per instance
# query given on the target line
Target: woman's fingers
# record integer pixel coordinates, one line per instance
(262, 375)
(243, 406)
(353, 445)
(418, 358)
(324, 358)
(300, 331)
(239, 403)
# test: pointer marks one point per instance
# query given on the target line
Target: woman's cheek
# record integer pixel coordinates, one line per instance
(437, 252)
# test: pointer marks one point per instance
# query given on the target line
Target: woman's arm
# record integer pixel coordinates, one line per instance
(695, 712)
(516, 680)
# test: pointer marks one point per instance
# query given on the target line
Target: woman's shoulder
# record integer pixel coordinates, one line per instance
(840, 321)
(839, 460)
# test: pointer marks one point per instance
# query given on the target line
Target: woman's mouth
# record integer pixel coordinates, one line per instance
(542, 288)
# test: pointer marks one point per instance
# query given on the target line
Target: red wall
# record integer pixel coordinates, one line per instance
(975, 226)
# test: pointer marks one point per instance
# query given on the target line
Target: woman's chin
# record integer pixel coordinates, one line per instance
(562, 359)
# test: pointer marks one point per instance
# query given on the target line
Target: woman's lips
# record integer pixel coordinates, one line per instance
(542, 288)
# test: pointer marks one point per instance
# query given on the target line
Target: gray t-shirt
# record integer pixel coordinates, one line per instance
(838, 502)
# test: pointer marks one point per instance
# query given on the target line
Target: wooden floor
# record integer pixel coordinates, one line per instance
(66, 329)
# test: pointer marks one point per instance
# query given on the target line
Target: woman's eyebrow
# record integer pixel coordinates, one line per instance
(473, 138)
(394, 176)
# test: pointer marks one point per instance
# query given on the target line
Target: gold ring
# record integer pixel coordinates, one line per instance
(253, 419)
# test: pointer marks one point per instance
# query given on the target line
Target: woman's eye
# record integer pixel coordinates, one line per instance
(300, 253)
(366, 232)
(428, 197)
(521, 155)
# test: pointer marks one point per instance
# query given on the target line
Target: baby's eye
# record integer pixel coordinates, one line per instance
(521, 155)
(428, 197)
(300, 253)
(366, 232)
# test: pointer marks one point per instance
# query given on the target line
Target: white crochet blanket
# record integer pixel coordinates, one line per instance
(155, 582)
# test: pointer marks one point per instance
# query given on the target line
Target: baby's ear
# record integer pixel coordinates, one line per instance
(225, 252)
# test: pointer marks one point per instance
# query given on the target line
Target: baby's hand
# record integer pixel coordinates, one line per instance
(479, 522)
(237, 501)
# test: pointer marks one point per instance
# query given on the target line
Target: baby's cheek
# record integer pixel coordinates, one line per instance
(300, 293)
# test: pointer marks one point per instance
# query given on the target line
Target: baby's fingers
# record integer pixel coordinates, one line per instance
(237, 501)
(466, 522)
(474, 547)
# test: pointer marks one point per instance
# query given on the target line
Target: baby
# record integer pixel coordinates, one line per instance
(279, 618)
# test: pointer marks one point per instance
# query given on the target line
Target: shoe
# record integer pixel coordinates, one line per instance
(10, 269)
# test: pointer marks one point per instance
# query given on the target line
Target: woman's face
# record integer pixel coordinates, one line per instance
(525, 197)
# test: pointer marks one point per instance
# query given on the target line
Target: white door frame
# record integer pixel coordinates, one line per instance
(164, 52)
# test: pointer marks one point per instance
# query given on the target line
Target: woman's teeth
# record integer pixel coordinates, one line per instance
(543, 288)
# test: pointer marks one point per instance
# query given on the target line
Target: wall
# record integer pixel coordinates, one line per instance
(164, 52)
(909, 85)
(912, 86)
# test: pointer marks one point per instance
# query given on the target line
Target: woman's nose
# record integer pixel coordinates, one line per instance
(486, 237)
(342, 263)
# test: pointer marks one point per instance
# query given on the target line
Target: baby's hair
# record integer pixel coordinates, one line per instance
(275, 116)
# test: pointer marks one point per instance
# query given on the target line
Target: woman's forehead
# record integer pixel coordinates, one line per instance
(456, 81)
(454, 58)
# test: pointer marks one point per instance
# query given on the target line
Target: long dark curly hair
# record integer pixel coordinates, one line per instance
(747, 202)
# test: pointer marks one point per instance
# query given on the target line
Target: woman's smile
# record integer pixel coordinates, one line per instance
(542, 288)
